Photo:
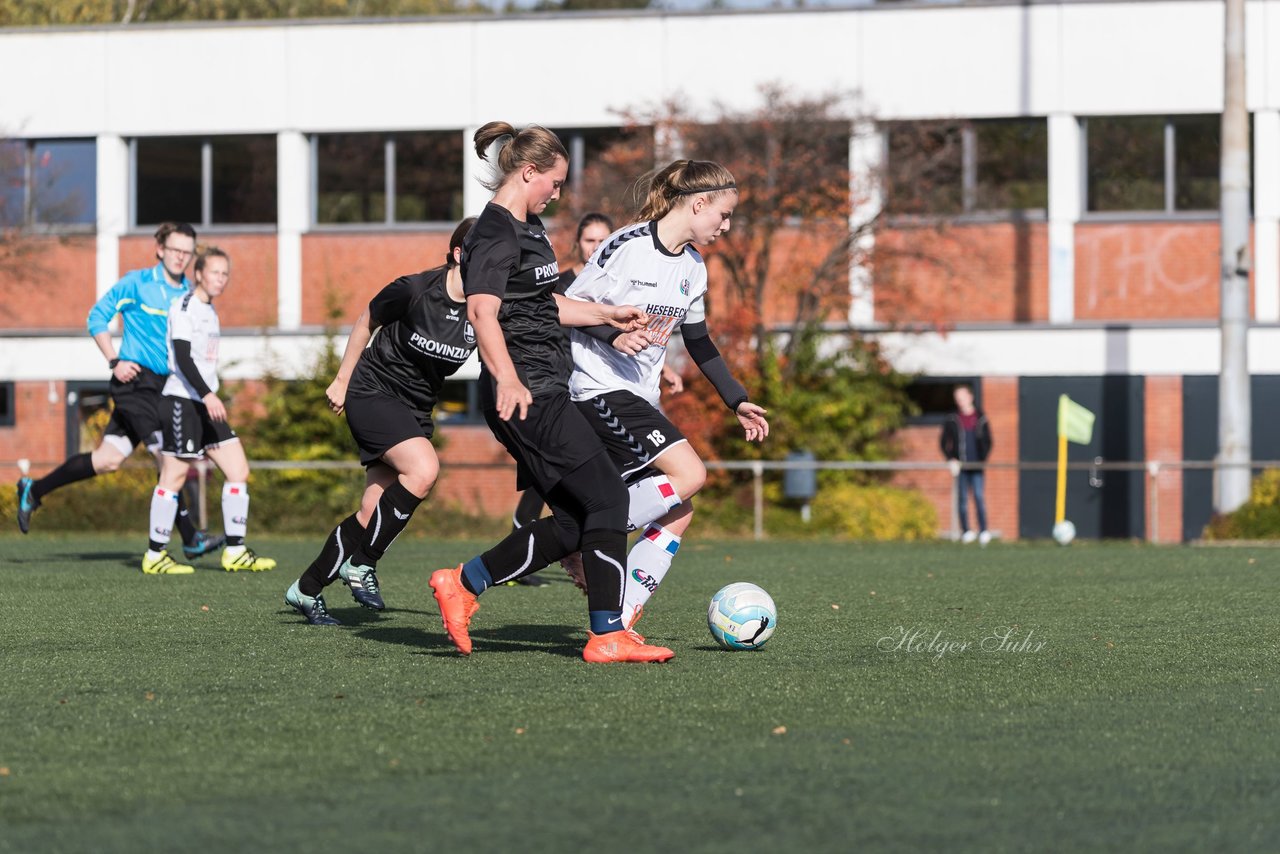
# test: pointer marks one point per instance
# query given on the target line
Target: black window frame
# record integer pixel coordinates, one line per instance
(8, 403)
(29, 222)
(389, 222)
(937, 418)
(205, 222)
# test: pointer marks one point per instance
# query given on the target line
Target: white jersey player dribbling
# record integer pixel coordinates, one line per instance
(615, 381)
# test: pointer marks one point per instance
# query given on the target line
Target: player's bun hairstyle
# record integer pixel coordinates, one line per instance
(455, 239)
(662, 189)
(167, 228)
(512, 149)
(207, 252)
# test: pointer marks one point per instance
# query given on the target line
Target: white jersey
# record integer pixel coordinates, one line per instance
(633, 268)
(192, 320)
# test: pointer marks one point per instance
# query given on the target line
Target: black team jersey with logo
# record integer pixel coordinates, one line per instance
(514, 261)
(424, 338)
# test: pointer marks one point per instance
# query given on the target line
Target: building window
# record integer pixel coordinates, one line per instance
(384, 179)
(459, 403)
(48, 182)
(973, 167)
(1152, 163)
(7, 405)
(933, 400)
(225, 180)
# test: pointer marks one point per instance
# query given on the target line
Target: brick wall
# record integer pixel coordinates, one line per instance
(993, 272)
(52, 287)
(1163, 429)
(39, 431)
(486, 491)
(250, 299)
(342, 271)
(1000, 403)
(1148, 271)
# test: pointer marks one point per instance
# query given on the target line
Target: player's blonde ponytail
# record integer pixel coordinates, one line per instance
(507, 150)
(663, 188)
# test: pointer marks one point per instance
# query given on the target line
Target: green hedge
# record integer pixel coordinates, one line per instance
(1257, 519)
(839, 511)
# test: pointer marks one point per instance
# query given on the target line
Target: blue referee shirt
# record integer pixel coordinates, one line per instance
(142, 298)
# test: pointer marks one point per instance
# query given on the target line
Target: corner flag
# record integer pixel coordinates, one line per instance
(1075, 423)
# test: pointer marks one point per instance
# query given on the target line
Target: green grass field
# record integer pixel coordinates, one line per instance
(1137, 709)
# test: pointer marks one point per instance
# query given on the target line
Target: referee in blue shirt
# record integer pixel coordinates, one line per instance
(138, 374)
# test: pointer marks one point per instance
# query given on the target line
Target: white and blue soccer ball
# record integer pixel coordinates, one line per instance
(742, 616)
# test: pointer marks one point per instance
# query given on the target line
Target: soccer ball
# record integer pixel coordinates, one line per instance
(742, 616)
(1064, 532)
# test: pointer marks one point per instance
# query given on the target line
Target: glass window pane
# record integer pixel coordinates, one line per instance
(351, 178)
(1196, 162)
(1126, 164)
(168, 181)
(428, 177)
(13, 183)
(64, 182)
(244, 179)
(924, 173)
(1012, 164)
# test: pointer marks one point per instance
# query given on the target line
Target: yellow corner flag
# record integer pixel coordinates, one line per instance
(1075, 423)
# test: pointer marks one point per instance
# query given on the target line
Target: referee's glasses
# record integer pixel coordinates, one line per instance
(181, 253)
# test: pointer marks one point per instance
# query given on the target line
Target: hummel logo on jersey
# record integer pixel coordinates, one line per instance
(399, 515)
(636, 283)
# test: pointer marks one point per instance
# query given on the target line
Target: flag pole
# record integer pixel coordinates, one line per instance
(1060, 509)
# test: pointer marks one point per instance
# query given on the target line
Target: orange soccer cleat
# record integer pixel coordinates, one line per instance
(622, 646)
(457, 604)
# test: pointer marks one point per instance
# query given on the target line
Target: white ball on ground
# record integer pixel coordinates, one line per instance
(1064, 532)
(742, 616)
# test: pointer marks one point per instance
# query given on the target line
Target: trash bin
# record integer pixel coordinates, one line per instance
(800, 484)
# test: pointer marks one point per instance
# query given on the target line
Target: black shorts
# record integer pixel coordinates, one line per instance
(553, 440)
(378, 423)
(135, 413)
(188, 429)
(634, 431)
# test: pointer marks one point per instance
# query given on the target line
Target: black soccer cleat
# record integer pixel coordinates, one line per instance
(203, 544)
(363, 581)
(311, 607)
(27, 503)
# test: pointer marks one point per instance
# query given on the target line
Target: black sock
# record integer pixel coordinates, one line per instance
(337, 548)
(183, 522)
(528, 509)
(604, 554)
(389, 518)
(79, 467)
(529, 549)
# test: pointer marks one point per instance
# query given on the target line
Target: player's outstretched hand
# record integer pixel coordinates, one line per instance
(672, 378)
(628, 317)
(513, 397)
(217, 411)
(336, 394)
(751, 417)
(125, 371)
(632, 342)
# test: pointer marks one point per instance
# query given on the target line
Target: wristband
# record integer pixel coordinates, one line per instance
(111, 363)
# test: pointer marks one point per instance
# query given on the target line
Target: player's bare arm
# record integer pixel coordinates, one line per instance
(575, 312)
(512, 396)
(336, 393)
(123, 370)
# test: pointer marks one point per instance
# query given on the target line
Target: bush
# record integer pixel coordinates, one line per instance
(109, 503)
(840, 511)
(1257, 519)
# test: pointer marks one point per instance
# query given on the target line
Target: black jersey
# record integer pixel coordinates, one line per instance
(513, 260)
(424, 338)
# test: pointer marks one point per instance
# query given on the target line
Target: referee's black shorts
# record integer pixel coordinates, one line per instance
(634, 431)
(135, 412)
(380, 422)
(553, 440)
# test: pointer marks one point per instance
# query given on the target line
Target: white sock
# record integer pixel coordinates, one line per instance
(164, 510)
(647, 564)
(651, 498)
(235, 510)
